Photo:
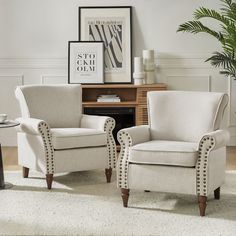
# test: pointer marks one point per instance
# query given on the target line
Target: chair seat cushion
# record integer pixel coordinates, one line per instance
(162, 152)
(68, 138)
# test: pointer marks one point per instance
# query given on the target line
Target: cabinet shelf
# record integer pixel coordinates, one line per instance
(158, 86)
(101, 104)
(131, 96)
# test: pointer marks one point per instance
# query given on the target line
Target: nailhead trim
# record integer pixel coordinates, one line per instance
(206, 145)
(44, 130)
(111, 145)
(122, 172)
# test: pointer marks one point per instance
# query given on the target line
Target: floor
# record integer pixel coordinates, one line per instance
(10, 158)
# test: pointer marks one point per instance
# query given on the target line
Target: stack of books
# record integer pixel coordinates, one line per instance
(108, 98)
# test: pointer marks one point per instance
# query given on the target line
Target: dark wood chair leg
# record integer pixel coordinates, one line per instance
(25, 172)
(217, 193)
(108, 173)
(125, 196)
(49, 179)
(202, 200)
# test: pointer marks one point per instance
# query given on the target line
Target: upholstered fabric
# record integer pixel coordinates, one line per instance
(216, 169)
(209, 143)
(184, 116)
(41, 130)
(55, 136)
(31, 153)
(127, 138)
(161, 178)
(182, 149)
(30, 125)
(162, 152)
(77, 138)
(106, 124)
(61, 108)
(81, 159)
(138, 134)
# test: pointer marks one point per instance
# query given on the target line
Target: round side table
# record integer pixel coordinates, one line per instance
(4, 185)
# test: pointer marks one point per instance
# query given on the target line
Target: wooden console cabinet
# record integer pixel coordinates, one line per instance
(134, 96)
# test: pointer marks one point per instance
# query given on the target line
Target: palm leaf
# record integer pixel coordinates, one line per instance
(226, 19)
(203, 12)
(222, 59)
(229, 9)
(197, 27)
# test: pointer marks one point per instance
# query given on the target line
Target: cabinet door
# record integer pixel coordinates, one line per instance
(142, 115)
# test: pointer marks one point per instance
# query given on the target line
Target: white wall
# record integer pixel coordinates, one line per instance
(34, 36)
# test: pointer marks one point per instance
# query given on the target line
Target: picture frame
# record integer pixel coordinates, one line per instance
(85, 62)
(113, 26)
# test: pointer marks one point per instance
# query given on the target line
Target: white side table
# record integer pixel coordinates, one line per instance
(4, 185)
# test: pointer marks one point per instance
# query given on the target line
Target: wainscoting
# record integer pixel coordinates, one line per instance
(188, 72)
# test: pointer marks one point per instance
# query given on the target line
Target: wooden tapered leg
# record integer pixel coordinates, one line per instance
(217, 193)
(25, 172)
(202, 200)
(125, 196)
(108, 173)
(49, 179)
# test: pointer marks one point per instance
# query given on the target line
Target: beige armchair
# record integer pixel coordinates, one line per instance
(181, 150)
(54, 136)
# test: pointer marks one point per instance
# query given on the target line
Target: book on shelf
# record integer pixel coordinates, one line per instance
(108, 98)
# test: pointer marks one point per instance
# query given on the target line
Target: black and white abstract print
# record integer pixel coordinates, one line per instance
(111, 33)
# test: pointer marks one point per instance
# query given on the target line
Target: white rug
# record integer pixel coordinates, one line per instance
(83, 204)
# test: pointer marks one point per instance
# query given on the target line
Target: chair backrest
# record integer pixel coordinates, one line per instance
(184, 116)
(59, 105)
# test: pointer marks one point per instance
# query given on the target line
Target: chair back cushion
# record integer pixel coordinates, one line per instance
(184, 116)
(59, 105)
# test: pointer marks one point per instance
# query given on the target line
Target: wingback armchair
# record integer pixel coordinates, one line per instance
(181, 150)
(55, 137)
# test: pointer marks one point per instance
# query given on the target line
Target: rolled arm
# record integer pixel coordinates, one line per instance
(215, 139)
(135, 135)
(40, 127)
(106, 124)
(31, 125)
(95, 122)
(127, 138)
(209, 142)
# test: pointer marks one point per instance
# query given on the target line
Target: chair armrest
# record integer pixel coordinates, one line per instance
(134, 135)
(96, 122)
(31, 125)
(40, 127)
(127, 138)
(214, 140)
(106, 124)
(209, 142)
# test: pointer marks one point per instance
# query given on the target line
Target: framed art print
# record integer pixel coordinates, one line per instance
(112, 25)
(85, 62)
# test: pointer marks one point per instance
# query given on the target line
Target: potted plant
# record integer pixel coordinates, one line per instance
(226, 19)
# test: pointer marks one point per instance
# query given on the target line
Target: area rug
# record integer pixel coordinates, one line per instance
(83, 204)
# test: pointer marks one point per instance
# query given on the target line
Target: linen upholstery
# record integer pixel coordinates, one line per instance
(155, 178)
(38, 101)
(181, 150)
(184, 116)
(162, 152)
(77, 138)
(60, 144)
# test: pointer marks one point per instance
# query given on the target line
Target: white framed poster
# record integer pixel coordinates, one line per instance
(85, 62)
(112, 25)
